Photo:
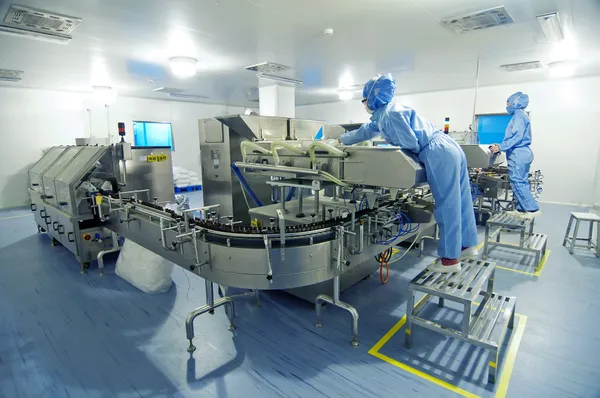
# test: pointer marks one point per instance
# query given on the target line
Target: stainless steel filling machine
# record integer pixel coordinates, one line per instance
(281, 211)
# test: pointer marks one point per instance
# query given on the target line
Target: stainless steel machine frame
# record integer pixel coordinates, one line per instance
(68, 212)
(312, 240)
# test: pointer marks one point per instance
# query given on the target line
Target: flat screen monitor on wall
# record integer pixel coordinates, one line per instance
(153, 134)
(491, 128)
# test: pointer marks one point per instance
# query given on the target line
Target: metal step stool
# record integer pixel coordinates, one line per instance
(485, 328)
(593, 219)
(529, 241)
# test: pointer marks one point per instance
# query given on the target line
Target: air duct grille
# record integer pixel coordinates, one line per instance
(168, 90)
(38, 20)
(267, 67)
(10, 75)
(522, 66)
(479, 20)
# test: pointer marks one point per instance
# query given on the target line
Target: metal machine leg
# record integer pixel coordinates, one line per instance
(574, 238)
(568, 231)
(335, 301)
(498, 237)
(114, 249)
(210, 306)
(257, 296)
(485, 241)
(597, 239)
(522, 240)
(591, 235)
(410, 307)
(466, 319)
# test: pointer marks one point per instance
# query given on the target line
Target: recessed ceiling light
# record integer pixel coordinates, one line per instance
(183, 67)
(551, 26)
(561, 70)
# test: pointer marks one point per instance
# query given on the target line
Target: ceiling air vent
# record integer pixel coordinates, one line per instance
(38, 24)
(519, 67)
(189, 97)
(479, 20)
(9, 75)
(168, 90)
(267, 67)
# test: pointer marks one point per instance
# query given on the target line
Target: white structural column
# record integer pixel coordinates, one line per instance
(278, 100)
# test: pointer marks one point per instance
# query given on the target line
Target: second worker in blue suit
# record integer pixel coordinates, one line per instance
(516, 145)
(445, 166)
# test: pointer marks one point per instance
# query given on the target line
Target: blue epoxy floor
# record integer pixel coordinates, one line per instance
(67, 335)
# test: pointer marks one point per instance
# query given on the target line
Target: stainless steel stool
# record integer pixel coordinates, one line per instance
(593, 219)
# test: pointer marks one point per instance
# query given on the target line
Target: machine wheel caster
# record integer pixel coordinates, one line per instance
(39, 229)
(232, 327)
(354, 343)
(191, 347)
(54, 243)
(86, 265)
(319, 325)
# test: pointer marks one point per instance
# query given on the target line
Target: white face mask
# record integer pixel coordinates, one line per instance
(369, 111)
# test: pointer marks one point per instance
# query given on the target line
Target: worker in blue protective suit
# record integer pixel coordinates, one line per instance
(445, 166)
(517, 140)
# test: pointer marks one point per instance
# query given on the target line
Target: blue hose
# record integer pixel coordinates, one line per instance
(245, 185)
(290, 194)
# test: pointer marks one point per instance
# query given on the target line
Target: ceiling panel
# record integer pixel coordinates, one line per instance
(127, 44)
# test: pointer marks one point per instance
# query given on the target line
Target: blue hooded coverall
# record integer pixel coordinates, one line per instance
(445, 162)
(517, 140)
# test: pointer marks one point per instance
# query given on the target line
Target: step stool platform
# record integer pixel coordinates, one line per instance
(571, 242)
(485, 328)
(529, 242)
(463, 287)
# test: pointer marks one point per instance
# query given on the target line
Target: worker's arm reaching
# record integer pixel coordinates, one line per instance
(518, 131)
(367, 131)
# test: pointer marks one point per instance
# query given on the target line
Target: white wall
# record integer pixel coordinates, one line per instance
(565, 115)
(33, 120)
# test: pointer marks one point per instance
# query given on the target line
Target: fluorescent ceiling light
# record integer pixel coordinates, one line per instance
(551, 26)
(105, 94)
(565, 50)
(279, 78)
(183, 67)
(345, 95)
(561, 70)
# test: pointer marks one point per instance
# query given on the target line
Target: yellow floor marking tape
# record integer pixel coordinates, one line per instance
(505, 374)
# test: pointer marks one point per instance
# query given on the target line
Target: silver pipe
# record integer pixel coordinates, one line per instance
(282, 194)
(124, 176)
(267, 167)
(300, 201)
(336, 289)
(210, 294)
(361, 235)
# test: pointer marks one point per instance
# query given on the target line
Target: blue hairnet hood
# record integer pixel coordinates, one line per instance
(379, 91)
(517, 101)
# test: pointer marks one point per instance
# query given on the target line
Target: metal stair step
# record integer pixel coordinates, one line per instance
(536, 241)
(491, 320)
(466, 284)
